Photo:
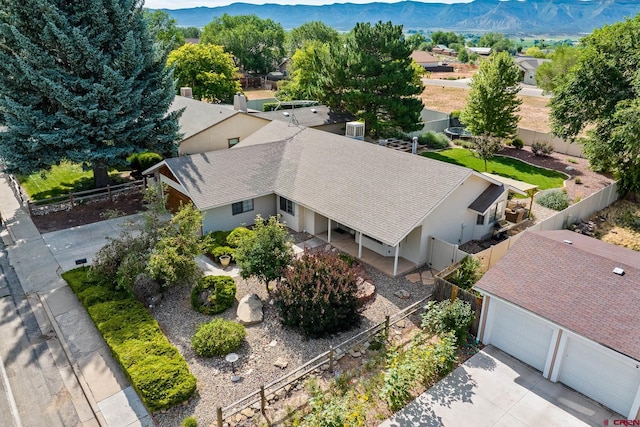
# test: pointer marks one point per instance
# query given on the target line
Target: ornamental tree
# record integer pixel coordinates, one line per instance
(493, 101)
(81, 81)
(207, 70)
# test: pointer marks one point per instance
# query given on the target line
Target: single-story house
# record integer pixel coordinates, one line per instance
(424, 59)
(444, 50)
(483, 51)
(392, 203)
(318, 117)
(208, 127)
(528, 67)
(568, 305)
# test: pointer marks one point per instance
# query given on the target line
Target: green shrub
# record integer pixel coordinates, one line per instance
(318, 295)
(517, 143)
(433, 140)
(218, 251)
(235, 237)
(467, 274)
(270, 106)
(190, 422)
(213, 294)
(214, 239)
(140, 162)
(155, 368)
(555, 199)
(446, 316)
(541, 148)
(217, 337)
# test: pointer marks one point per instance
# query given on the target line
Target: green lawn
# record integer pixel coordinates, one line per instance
(59, 181)
(503, 166)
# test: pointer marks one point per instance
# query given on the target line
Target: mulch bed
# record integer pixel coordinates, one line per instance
(88, 214)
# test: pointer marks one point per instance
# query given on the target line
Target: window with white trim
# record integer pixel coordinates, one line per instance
(242, 207)
(287, 206)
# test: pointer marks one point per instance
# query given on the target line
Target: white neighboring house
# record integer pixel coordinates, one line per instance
(528, 67)
(392, 203)
(424, 59)
(569, 306)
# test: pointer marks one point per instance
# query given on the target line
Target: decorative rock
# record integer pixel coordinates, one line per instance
(427, 277)
(240, 418)
(247, 412)
(339, 356)
(255, 406)
(413, 277)
(273, 343)
(402, 294)
(354, 353)
(401, 324)
(280, 393)
(250, 310)
(281, 363)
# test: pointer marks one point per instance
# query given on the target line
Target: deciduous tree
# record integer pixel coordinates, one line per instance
(316, 31)
(493, 101)
(601, 92)
(265, 253)
(553, 73)
(163, 27)
(256, 44)
(82, 81)
(308, 66)
(207, 69)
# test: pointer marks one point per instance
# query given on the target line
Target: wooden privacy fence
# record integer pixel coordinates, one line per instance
(445, 290)
(73, 199)
(260, 399)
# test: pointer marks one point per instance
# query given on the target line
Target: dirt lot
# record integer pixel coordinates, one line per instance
(619, 224)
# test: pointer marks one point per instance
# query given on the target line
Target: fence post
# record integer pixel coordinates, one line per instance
(331, 358)
(71, 200)
(109, 192)
(219, 414)
(263, 400)
(386, 326)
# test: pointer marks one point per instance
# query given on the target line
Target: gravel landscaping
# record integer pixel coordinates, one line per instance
(266, 343)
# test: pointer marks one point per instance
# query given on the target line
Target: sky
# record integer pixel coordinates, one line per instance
(184, 4)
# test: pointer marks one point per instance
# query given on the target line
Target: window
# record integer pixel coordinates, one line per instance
(480, 219)
(287, 206)
(233, 141)
(241, 207)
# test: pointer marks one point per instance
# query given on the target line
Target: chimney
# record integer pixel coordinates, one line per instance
(186, 92)
(240, 102)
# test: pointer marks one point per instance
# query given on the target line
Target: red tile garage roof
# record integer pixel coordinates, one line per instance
(573, 285)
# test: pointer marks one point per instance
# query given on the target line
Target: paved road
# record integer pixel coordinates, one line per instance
(32, 385)
(527, 90)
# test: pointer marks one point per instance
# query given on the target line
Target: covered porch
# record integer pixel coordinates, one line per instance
(386, 264)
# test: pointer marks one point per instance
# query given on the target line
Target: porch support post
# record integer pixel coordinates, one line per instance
(360, 244)
(329, 230)
(395, 261)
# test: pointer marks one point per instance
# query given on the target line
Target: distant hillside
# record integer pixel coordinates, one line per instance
(511, 16)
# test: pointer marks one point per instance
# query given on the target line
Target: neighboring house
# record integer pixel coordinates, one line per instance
(483, 51)
(528, 67)
(424, 59)
(569, 306)
(392, 203)
(208, 127)
(284, 65)
(318, 117)
(444, 50)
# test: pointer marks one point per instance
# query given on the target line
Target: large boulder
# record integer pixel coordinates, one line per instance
(250, 310)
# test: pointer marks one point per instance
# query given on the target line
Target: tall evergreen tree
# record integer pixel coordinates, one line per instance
(82, 81)
(372, 77)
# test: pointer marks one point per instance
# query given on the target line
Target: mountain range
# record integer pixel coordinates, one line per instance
(511, 16)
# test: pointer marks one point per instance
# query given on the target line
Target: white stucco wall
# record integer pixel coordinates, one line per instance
(221, 218)
(292, 221)
(217, 136)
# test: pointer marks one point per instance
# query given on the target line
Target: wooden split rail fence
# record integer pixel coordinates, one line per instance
(328, 358)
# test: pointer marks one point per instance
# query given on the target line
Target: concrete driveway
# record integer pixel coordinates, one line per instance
(494, 389)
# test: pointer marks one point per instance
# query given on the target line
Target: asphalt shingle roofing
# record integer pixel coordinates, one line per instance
(573, 285)
(381, 192)
(199, 115)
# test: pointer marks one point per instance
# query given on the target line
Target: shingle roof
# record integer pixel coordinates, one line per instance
(381, 192)
(487, 198)
(421, 56)
(199, 115)
(573, 285)
(308, 116)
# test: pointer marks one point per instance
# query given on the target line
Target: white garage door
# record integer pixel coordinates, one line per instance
(521, 335)
(600, 375)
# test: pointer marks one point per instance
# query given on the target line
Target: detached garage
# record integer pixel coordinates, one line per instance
(569, 306)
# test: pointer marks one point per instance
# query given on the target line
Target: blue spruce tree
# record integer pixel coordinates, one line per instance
(81, 81)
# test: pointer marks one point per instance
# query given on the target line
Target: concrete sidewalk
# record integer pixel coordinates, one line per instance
(106, 398)
(494, 389)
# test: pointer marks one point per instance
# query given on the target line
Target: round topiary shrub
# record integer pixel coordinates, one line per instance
(218, 337)
(213, 294)
(557, 200)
